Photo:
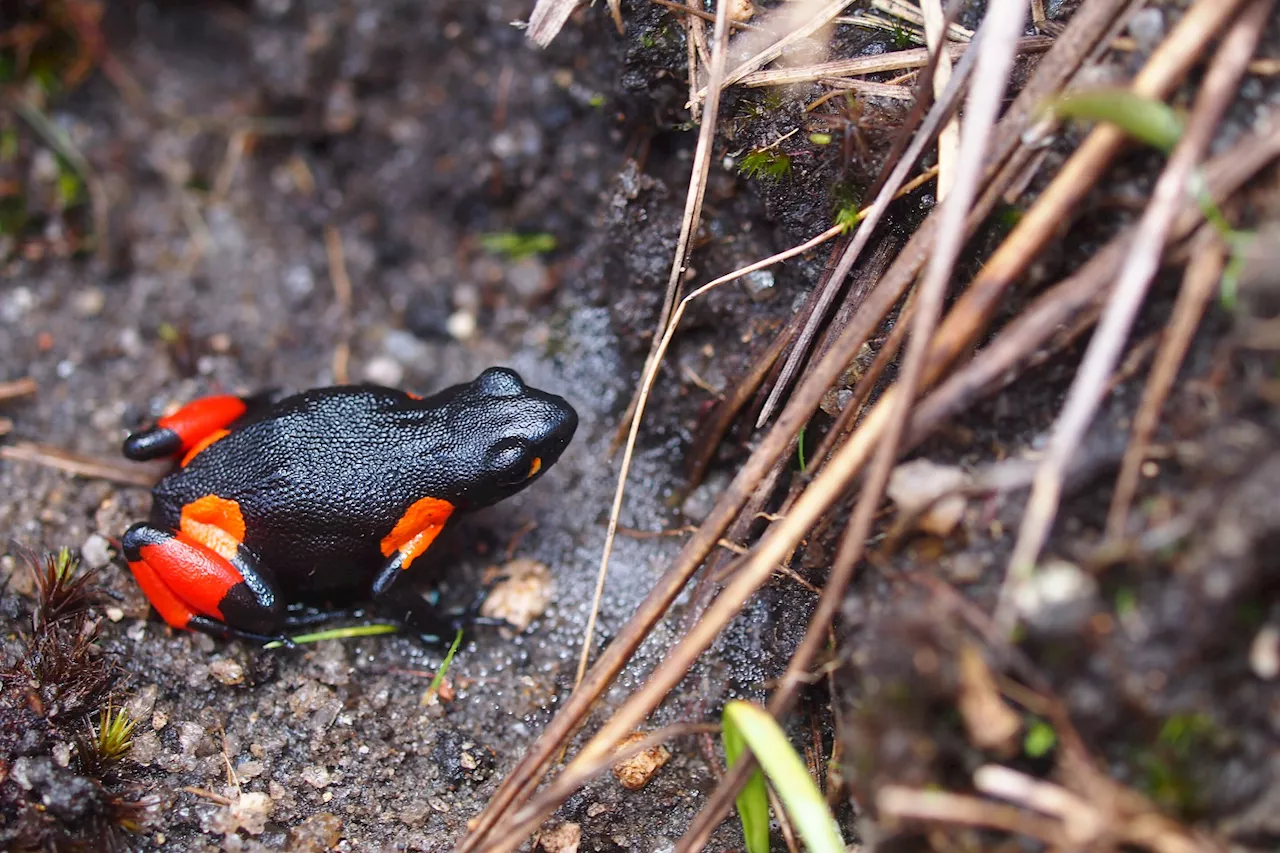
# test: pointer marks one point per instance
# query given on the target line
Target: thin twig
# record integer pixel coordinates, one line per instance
(807, 26)
(949, 137)
(689, 223)
(15, 388)
(83, 465)
(1087, 390)
(898, 60)
(1198, 285)
(342, 298)
(531, 816)
(897, 803)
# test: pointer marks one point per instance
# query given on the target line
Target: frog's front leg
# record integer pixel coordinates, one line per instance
(417, 528)
(202, 578)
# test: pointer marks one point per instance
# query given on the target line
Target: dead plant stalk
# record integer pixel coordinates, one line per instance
(1089, 387)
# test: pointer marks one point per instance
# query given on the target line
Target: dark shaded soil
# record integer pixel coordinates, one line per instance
(411, 129)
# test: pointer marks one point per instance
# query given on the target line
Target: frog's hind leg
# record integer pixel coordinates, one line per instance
(203, 585)
(192, 428)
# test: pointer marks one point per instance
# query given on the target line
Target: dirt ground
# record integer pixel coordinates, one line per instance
(273, 148)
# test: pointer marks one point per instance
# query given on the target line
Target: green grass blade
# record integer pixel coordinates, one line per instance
(790, 778)
(446, 663)
(337, 634)
(753, 801)
(1145, 119)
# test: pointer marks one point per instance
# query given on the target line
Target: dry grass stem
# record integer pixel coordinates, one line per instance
(667, 322)
(869, 88)
(529, 818)
(1089, 386)
(949, 137)
(342, 299)
(548, 18)
(14, 388)
(899, 60)
(1198, 285)
(898, 803)
(1080, 821)
(811, 22)
(82, 465)
(1091, 24)
(1067, 309)
(920, 17)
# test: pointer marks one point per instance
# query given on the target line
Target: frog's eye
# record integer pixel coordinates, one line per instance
(512, 461)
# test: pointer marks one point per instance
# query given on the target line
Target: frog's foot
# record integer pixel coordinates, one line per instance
(192, 428)
(200, 586)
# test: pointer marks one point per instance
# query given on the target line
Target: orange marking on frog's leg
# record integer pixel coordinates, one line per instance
(185, 428)
(215, 523)
(413, 534)
(200, 417)
(202, 444)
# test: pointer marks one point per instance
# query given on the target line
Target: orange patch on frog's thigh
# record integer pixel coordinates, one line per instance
(202, 444)
(216, 523)
(417, 528)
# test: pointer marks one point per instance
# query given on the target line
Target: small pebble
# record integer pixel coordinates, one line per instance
(928, 489)
(316, 834)
(564, 838)
(96, 553)
(635, 772)
(759, 285)
(316, 776)
(522, 595)
(88, 302)
(227, 671)
(1264, 653)
(384, 370)
(461, 325)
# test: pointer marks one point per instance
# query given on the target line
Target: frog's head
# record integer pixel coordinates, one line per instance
(503, 435)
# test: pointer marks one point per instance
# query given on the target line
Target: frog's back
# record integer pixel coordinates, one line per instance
(319, 476)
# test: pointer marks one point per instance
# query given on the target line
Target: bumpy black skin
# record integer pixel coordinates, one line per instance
(322, 476)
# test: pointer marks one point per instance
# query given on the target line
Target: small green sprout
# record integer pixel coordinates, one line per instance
(767, 164)
(64, 565)
(1126, 602)
(70, 188)
(515, 247)
(8, 145)
(800, 449)
(114, 736)
(434, 686)
(848, 216)
(820, 138)
(1040, 739)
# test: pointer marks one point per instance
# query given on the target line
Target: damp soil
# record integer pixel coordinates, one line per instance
(401, 141)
